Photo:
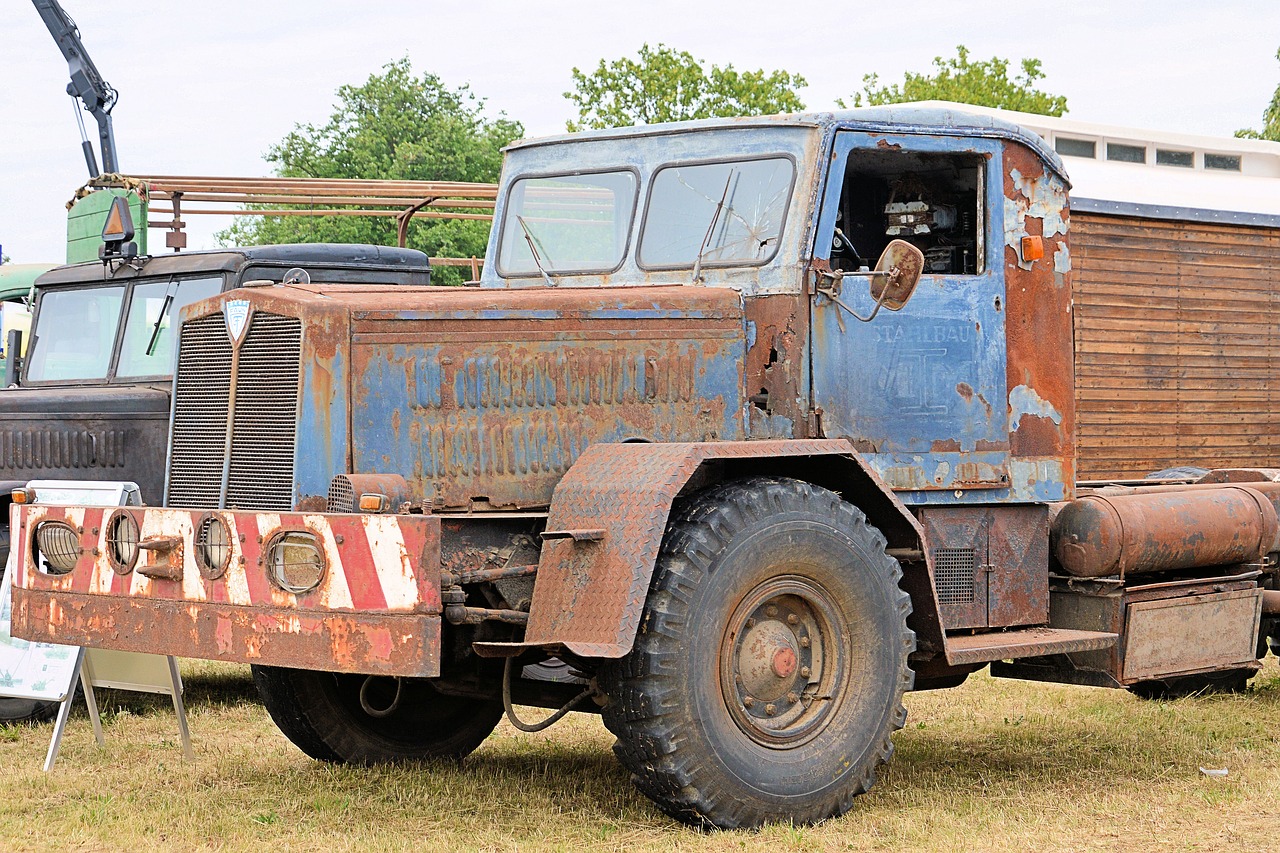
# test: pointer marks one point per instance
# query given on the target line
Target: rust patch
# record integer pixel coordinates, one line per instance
(964, 389)
(1034, 436)
(1038, 328)
(886, 145)
(371, 643)
(773, 366)
(949, 445)
(313, 503)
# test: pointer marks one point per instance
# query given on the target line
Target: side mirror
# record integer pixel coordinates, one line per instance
(896, 274)
(892, 281)
(13, 362)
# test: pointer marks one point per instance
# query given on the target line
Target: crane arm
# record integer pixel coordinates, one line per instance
(87, 84)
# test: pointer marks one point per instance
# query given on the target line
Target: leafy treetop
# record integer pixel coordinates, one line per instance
(395, 126)
(663, 84)
(1270, 119)
(961, 80)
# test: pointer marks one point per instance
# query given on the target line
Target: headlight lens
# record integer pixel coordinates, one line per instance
(57, 547)
(122, 542)
(295, 561)
(213, 546)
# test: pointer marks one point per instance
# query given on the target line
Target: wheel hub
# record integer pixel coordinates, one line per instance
(780, 661)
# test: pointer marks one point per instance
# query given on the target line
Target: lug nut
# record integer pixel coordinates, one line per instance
(804, 642)
(770, 709)
(793, 697)
(771, 611)
(751, 623)
(804, 671)
(747, 701)
(792, 619)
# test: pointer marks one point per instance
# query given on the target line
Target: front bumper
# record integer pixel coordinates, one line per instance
(375, 610)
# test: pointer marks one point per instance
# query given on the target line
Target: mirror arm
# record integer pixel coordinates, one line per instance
(832, 290)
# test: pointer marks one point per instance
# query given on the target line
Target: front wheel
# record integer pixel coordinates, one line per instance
(771, 661)
(362, 719)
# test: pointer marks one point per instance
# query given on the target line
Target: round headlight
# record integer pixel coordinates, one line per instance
(122, 541)
(57, 547)
(295, 561)
(213, 546)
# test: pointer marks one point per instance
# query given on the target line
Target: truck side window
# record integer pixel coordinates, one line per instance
(930, 200)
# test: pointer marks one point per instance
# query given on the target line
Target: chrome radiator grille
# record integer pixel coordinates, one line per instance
(259, 474)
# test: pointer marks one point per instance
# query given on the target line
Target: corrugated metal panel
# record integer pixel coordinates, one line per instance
(264, 431)
(201, 390)
(264, 434)
(1177, 345)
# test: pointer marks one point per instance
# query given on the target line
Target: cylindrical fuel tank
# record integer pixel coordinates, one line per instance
(1100, 535)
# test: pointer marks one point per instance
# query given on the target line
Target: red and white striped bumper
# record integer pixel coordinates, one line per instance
(375, 610)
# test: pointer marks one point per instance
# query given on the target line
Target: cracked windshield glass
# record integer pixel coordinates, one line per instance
(575, 223)
(716, 214)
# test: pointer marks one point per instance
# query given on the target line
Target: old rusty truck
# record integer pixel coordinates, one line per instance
(687, 458)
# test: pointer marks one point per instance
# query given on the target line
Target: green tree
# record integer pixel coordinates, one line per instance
(985, 84)
(395, 126)
(1270, 119)
(669, 85)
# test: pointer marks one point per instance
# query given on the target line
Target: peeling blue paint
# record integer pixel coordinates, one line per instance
(1025, 401)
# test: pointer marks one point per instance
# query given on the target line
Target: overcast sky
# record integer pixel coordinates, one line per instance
(205, 88)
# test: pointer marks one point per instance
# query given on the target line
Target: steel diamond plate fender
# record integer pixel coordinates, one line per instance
(606, 523)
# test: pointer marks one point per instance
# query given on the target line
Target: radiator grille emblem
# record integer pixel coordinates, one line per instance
(237, 319)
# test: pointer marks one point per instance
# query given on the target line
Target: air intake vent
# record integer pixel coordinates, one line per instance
(954, 571)
(342, 495)
(263, 426)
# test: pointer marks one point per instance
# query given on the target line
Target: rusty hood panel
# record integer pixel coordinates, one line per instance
(493, 394)
(488, 396)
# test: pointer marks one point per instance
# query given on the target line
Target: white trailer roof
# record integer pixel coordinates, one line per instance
(1157, 173)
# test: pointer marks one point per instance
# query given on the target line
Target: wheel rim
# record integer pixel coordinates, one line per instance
(782, 663)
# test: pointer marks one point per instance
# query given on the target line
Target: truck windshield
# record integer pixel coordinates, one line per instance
(76, 329)
(574, 223)
(718, 213)
(147, 349)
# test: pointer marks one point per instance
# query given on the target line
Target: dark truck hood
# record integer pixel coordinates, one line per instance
(104, 433)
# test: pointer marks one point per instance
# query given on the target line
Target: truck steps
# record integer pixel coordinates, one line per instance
(1024, 643)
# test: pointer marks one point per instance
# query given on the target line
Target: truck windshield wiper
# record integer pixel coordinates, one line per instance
(164, 310)
(533, 250)
(711, 226)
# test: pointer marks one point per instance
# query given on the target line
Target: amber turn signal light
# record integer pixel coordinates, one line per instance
(1032, 248)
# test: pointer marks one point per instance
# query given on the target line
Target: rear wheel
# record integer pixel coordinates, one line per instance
(771, 661)
(363, 719)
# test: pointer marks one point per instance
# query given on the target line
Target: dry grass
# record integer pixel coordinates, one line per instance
(992, 765)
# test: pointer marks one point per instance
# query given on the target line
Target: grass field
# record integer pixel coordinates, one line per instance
(992, 765)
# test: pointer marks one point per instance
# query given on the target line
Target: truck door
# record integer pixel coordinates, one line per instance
(921, 392)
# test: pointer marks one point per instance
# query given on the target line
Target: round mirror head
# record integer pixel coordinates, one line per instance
(896, 274)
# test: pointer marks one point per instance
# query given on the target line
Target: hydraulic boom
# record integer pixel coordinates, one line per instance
(87, 84)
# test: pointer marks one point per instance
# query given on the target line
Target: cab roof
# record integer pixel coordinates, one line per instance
(940, 119)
